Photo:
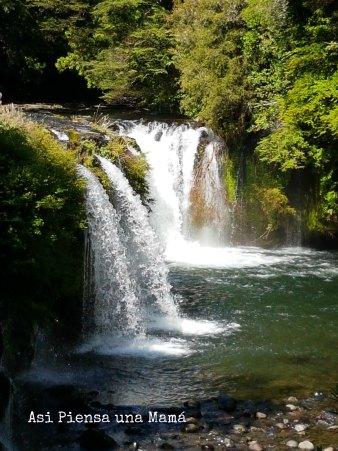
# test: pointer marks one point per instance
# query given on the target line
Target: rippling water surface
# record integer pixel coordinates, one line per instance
(254, 322)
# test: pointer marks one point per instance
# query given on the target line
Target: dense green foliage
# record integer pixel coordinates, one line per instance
(267, 69)
(261, 73)
(41, 221)
(125, 51)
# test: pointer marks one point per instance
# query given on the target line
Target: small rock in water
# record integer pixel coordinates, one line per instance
(280, 426)
(291, 407)
(301, 427)
(248, 408)
(226, 403)
(227, 442)
(261, 415)
(292, 400)
(192, 420)
(96, 439)
(292, 444)
(255, 446)
(167, 445)
(239, 429)
(330, 448)
(306, 445)
(191, 427)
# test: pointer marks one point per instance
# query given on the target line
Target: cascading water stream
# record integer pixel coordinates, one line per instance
(171, 151)
(189, 211)
(116, 308)
(145, 256)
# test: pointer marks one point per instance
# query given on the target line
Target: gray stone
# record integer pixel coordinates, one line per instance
(306, 445)
(255, 446)
(192, 420)
(292, 444)
(292, 400)
(330, 448)
(261, 415)
(301, 427)
(239, 428)
(292, 407)
(191, 428)
(226, 403)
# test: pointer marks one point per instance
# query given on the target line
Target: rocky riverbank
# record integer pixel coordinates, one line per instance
(220, 423)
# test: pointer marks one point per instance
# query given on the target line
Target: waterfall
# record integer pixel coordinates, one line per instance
(170, 151)
(185, 182)
(111, 295)
(145, 256)
(125, 274)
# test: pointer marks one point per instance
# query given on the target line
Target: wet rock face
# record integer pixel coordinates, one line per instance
(5, 390)
(226, 403)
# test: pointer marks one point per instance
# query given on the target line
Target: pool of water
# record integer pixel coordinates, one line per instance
(253, 322)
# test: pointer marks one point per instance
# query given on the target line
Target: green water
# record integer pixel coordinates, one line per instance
(260, 324)
(287, 316)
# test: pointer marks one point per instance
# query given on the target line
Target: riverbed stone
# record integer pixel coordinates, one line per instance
(248, 408)
(255, 446)
(301, 427)
(292, 400)
(227, 442)
(306, 445)
(280, 425)
(207, 447)
(96, 440)
(192, 420)
(292, 444)
(191, 428)
(292, 407)
(166, 445)
(261, 415)
(239, 429)
(226, 402)
(330, 448)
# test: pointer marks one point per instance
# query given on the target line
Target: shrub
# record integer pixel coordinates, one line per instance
(41, 220)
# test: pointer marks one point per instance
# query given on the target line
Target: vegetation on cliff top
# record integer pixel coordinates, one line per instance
(42, 217)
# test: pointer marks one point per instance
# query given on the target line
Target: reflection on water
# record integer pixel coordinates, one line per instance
(265, 330)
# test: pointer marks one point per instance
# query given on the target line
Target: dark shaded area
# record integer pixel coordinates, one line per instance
(50, 87)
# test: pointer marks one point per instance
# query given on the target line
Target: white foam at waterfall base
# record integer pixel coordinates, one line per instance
(149, 346)
(193, 327)
(152, 346)
(191, 253)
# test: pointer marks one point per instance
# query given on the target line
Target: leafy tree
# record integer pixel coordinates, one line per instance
(209, 56)
(126, 52)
